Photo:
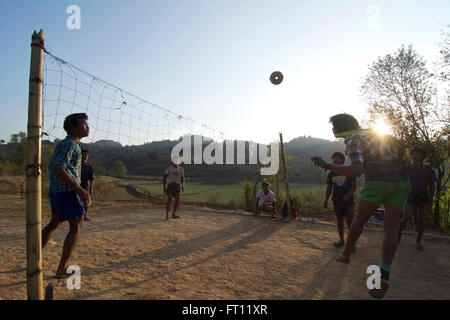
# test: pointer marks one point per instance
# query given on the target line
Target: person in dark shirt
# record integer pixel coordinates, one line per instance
(342, 188)
(420, 198)
(87, 178)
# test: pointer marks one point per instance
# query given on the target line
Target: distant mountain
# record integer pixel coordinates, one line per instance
(153, 158)
(107, 143)
(307, 147)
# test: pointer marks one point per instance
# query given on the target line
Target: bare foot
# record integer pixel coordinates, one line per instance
(343, 258)
(61, 274)
(338, 244)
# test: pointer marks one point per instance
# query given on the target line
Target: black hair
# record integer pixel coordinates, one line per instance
(338, 154)
(420, 151)
(85, 151)
(73, 120)
(265, 184)
(344, 122)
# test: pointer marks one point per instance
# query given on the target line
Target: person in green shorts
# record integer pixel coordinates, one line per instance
(379, 158)
(173, 183)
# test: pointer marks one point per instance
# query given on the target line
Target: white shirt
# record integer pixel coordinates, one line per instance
(174, 174)
(267, 199)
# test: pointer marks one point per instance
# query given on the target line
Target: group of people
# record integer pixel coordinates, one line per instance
(402, 189)
(387, 181)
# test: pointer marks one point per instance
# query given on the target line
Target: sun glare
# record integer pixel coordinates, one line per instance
(381, 127)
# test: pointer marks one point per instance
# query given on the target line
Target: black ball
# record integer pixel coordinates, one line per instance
(276, 77)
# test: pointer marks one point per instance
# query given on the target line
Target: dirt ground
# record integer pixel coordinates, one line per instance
(129, 251)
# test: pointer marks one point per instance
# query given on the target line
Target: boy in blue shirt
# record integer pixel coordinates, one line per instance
(66, 194)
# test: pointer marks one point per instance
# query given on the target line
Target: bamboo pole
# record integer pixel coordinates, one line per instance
(285, 178)
(35, 287)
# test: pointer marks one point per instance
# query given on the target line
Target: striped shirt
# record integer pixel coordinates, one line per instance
(67, 155)
(378, 154)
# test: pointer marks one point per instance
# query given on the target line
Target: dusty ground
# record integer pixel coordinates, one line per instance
(128, 251)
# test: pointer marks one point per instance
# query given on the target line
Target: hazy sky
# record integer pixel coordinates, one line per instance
(211, 59)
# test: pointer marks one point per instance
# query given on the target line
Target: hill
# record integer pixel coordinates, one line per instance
(153, 158)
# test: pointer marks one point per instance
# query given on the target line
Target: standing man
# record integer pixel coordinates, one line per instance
(420, 199)
(66, 194)
(342, 188)
(87, 178)
(379, 158)
(174, 178)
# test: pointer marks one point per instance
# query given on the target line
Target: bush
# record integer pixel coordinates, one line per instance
(119, 169)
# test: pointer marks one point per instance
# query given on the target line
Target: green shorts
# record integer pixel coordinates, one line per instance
(387, 193)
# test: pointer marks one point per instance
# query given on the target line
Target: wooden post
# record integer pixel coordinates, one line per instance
(35, 288)
(285, 178)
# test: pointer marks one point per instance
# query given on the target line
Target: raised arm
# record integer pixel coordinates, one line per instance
(354, 170)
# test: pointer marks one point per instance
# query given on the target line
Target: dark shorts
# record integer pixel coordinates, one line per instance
(343, 208)
(173, 189)
(66, 205)
(417, 199)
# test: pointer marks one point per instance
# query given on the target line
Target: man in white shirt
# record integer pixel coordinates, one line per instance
(174, 178)
(267, 198)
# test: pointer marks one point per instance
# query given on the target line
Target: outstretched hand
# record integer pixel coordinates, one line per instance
(318, 161)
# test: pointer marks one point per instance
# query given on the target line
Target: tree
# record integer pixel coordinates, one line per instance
(119, 169)
(17, 149)
(400, 89)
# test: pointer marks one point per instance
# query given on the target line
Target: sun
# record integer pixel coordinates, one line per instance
(382, 127)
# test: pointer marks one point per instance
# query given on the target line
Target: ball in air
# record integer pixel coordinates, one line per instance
(276, 77)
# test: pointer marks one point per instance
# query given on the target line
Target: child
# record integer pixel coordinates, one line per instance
(342, 188)
(267, 198)
(66, 194)
(87, 178)
(420, 199)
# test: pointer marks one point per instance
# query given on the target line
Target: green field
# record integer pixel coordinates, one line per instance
(199, 192)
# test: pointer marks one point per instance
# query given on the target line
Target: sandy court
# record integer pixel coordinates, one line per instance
(129, 251)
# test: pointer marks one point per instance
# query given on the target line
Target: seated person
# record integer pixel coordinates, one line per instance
(267, 198)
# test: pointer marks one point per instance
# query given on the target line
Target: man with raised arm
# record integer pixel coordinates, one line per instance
(379, 158)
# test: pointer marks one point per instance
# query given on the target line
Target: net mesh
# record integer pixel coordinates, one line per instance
(114, 113)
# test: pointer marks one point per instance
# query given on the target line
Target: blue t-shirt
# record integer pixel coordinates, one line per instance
(67, 155)
(341, 186)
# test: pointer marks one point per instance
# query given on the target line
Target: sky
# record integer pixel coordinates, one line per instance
(210, 60)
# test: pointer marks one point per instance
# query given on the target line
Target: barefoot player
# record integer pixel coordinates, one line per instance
(66, 194)
(420, 199)
(342, 188)
(379, 158)
(174, 179)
